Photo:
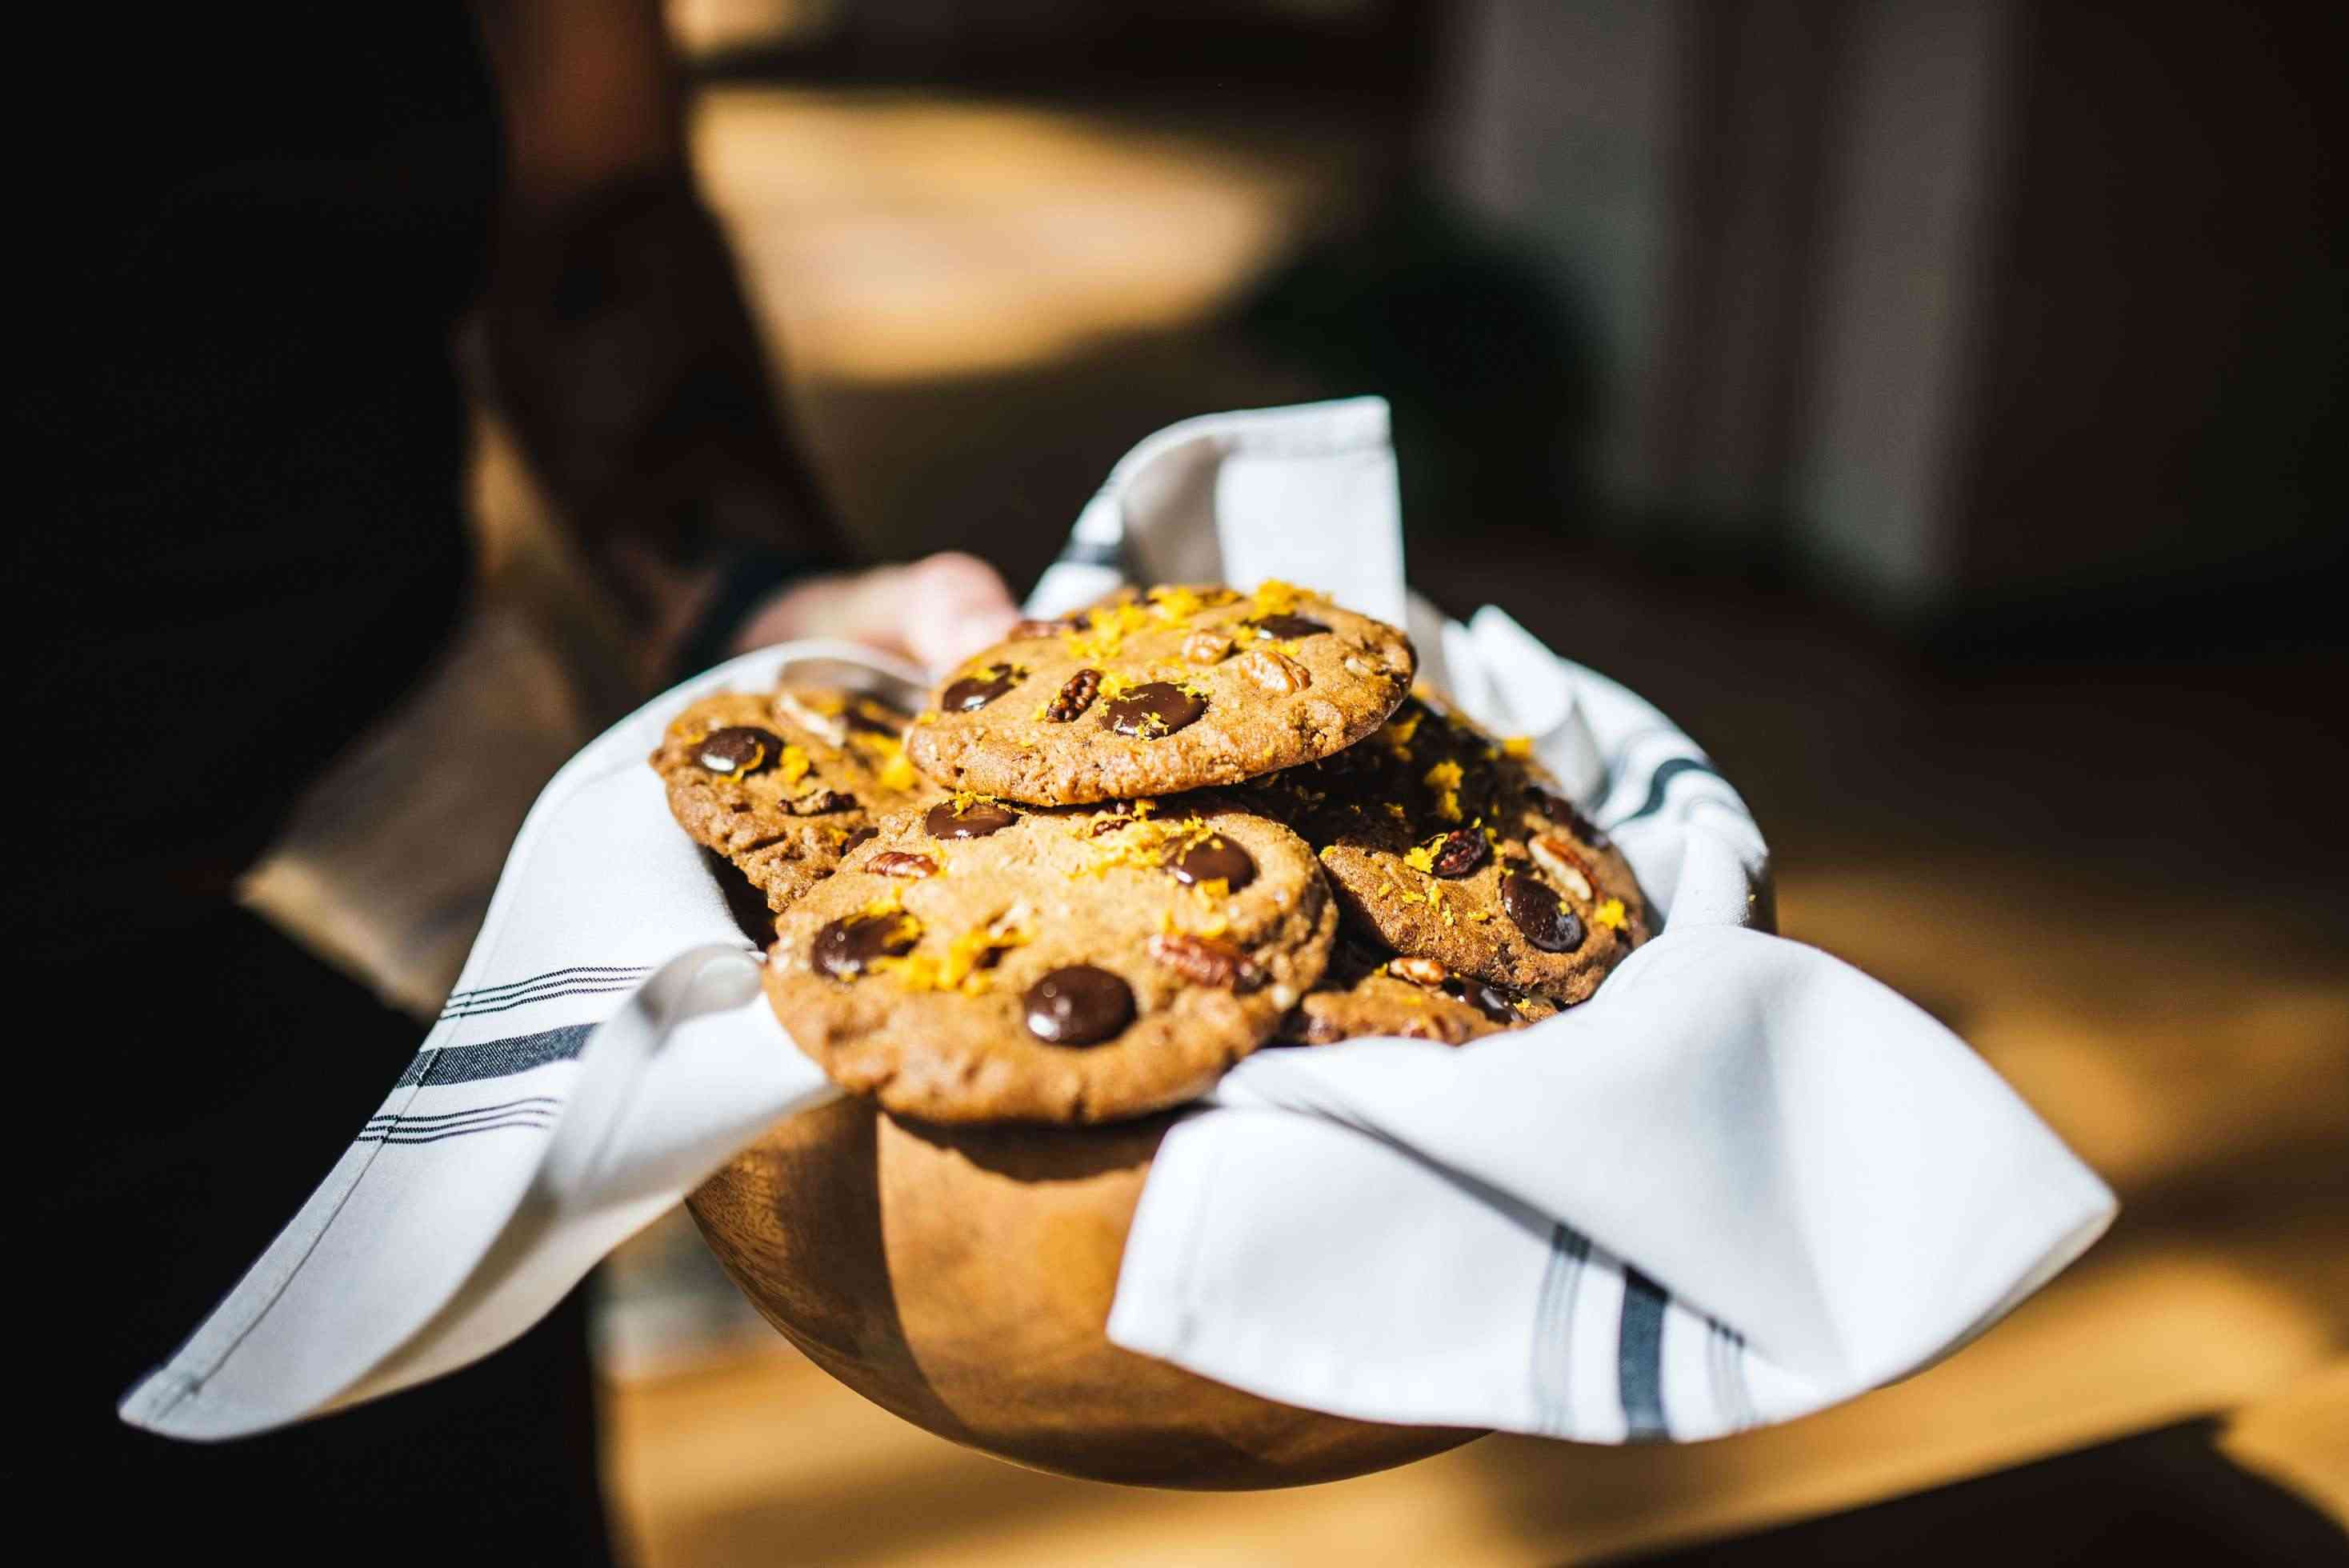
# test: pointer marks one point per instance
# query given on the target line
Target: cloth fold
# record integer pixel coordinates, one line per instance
(1741, 1181)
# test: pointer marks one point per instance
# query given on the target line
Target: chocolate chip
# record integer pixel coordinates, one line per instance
(861, 835)
(874, 718)
(976, 691)
(1460, 851)
(739, 748)
(1487, 999)
(1288, 626)
(1212, 857)
(1078, 1005)
(1537, 910)
(1155, 709)
(976, 820)
(844, 948)
(1559, 810)
(1075, 698)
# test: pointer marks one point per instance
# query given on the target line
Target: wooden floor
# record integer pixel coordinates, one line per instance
(2101, 877)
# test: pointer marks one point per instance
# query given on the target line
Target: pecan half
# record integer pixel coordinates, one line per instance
(1075, 696)
(1205, 647)
(1206, 961)
(1419, 971)
(1276, 672)
(902, 864)
(1564, 863)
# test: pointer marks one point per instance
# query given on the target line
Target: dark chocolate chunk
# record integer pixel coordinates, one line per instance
(846, 946)
(874, 718)
(974, 691)
(1487, 999)
(1460, 851)
(1288, 626)
(1536, 910)
(1075, 698)
(1155, 709)
(1212, 857)
(976, 820)
(1078, 1005)
(859, 836)
(1559, 810)
(739, 748)
(817, 801)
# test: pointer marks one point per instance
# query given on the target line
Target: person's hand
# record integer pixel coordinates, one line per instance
(937, 611)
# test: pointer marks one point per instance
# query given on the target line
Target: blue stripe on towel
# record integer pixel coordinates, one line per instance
(495, 1059)
(1659, 781)
(1640, 1356)
(1553, 1358)
(598, 971)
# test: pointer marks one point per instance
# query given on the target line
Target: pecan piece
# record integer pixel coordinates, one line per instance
(1207, 960)
(1026, 629)
(1205, 647)
(1429, 971)
(1075, 698)
(902, 864)
(816, 802)
(1276, 672)
(1564, 863)
(1462, 852)
(833, 728)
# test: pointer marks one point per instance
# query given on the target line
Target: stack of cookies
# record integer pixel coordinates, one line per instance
(1124, 850)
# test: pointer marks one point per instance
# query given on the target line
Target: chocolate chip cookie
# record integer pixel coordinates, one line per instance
(978, 961)
(782, 783)
(1370, 991)
(1178, 688)
(1446, 843)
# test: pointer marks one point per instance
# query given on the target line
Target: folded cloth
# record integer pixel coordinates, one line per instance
(1740, 1182)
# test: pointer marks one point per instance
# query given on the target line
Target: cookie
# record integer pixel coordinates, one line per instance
(981, 962)
(782, 783)
(1370, 991)
(1442, 842)
(1181, 689)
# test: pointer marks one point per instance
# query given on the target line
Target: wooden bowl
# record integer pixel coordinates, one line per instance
(960, 1277)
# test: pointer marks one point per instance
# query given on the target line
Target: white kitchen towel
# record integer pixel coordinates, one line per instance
(1740, 1182)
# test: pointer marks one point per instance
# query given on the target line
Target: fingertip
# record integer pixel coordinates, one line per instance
(957, 575)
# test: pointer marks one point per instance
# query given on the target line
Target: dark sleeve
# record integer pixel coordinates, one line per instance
(617, 343)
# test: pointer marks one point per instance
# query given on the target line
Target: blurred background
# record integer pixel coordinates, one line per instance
(1936, 407)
